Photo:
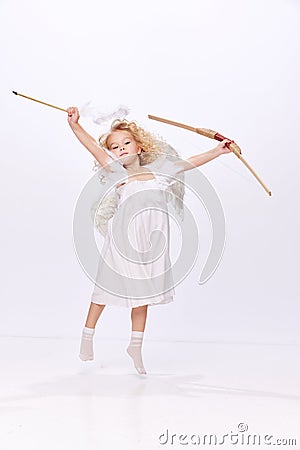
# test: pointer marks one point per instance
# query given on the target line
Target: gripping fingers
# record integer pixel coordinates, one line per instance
(73, 114)
(71, 111)
(227, 142)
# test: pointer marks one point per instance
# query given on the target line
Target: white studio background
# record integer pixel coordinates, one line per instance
(231, 66)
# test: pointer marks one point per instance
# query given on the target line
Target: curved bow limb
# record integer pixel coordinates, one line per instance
(214, 135)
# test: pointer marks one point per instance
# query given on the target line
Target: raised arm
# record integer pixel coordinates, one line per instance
(87, 140)
(202, 158)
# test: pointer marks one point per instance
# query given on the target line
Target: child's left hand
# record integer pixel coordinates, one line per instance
(223, 147)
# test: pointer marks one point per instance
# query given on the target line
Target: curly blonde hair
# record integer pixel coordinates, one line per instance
(151, 146)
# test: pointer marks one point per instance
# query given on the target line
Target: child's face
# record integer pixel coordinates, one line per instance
(123, 145)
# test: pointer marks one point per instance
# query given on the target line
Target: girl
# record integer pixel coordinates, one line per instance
(134, 148)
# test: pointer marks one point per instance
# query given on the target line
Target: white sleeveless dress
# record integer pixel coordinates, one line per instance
(135, 266)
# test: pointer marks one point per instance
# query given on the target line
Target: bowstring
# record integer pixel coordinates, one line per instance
(248, 179)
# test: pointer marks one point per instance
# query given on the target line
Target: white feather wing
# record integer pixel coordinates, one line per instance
(105, 206)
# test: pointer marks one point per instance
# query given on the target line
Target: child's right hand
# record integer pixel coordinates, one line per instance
(73, 115)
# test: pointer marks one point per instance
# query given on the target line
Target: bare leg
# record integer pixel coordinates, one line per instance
(138, 317)
(86, 345)
(94, 313)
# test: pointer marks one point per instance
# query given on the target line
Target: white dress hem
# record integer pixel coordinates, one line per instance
(132, 303)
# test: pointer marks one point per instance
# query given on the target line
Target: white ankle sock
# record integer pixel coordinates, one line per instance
(134, 350)
(86, 345)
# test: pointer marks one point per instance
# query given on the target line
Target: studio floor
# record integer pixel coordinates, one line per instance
(51, 400)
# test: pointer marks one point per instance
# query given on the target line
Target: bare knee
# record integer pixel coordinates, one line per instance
(139, 310)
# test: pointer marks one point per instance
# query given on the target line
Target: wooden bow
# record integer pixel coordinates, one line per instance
(214, 135)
